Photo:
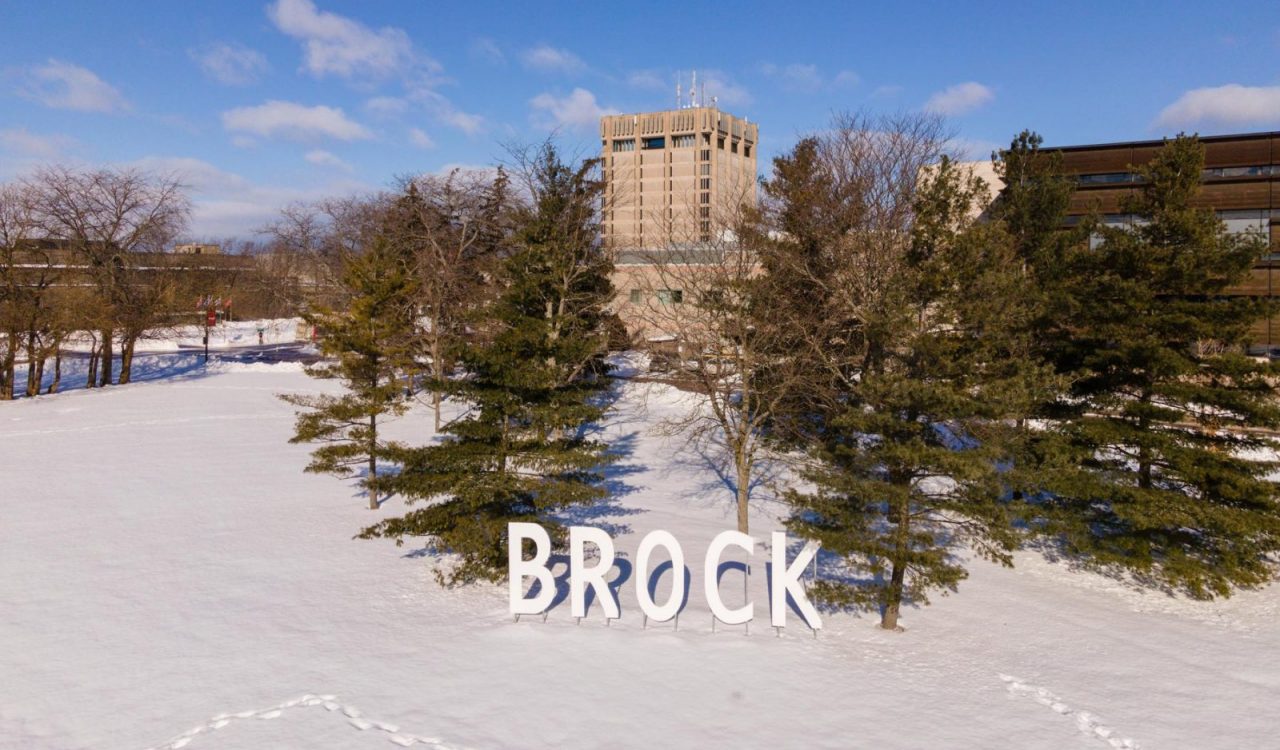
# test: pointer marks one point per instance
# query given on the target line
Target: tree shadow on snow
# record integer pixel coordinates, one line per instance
(147, 367)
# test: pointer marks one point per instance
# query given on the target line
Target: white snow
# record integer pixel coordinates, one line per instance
(170, 578)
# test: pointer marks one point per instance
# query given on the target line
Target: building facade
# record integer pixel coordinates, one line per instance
(1241, 183)
(670, 175)
(673, 180)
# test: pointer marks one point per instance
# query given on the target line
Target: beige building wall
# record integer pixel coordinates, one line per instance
(668, 175)
(674, 180)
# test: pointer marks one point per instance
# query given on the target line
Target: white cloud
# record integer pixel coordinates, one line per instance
(341, 46)
(21, 142)
(807, 78)
(648, 79)
(228, 205)
(548, 59)
(295, 121)
(720, 85)
(419, 138)
(386, 106)
(322, 158)
(886, 92)
(846, 79)
(960, 98)
(230, 63)
(488, 50)
(443, 110)
(1232, 104)
(578, 110)
(974, 149)
(797, 77)
(465, 121)
(63, 85)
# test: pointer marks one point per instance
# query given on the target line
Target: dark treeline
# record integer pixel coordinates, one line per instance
(949, 371)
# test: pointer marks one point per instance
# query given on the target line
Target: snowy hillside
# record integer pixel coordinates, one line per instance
(172, 579)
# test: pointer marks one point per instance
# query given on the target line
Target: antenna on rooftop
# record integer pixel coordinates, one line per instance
(693, 90)
(679, 97)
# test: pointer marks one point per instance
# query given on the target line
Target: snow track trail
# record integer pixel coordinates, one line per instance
(1085, 721)
(353, 716)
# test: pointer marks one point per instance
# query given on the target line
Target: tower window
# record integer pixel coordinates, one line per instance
(652, 143)
(682, 141)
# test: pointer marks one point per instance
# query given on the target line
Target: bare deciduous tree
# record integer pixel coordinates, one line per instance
(700, 295)
(17, 229)
(107, 217)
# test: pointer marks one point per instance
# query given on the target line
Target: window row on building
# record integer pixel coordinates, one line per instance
(1130, 178)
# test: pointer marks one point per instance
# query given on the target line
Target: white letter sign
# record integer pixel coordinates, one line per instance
(711, 582)
(518, 568)
(580, 576)
(786, 580)
(652, 540)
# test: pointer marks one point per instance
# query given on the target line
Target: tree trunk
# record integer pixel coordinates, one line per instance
(743, 465)
(6, 377)
(105, 364)
(372, 484)
(435, 405)
(93, 365)
(57, 370)
(39, 379)
(33, 375)
(126, 359)
(6, 368)
(893, 595)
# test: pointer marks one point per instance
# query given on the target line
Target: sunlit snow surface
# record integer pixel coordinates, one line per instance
(170, 578)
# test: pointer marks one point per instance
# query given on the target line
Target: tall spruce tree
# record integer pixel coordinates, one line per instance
(1149, 466)
(367, 344)
(910, 464)
(535, 374)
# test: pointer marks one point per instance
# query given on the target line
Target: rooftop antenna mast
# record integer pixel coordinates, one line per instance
(679, 96)
(693, 90)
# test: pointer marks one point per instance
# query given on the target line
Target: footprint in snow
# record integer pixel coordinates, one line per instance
(330, 703)
(1086, 722)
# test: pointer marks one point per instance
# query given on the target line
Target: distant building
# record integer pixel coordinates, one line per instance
(673, 181)
(1241, 183)
(668, 175)
(197, 249)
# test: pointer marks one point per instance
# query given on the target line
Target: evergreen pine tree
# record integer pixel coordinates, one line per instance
(910, 467)
(535, 375)
(1151, 467)
(366, 345)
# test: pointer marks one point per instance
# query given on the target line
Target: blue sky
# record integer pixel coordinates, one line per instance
(261, 103)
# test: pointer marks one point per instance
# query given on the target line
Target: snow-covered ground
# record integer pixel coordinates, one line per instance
(170, 578)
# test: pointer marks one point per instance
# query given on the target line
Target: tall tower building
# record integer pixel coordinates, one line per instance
(672, 178)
